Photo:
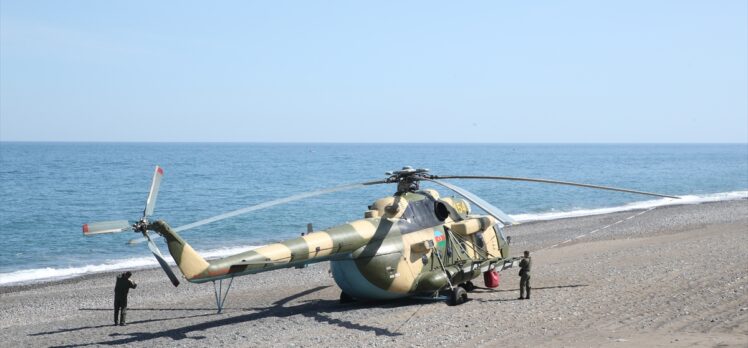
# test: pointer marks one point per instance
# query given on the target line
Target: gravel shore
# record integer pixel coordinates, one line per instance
(674, 276)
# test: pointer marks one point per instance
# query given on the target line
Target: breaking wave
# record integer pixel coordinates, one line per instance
(688, 199)
(37, 275)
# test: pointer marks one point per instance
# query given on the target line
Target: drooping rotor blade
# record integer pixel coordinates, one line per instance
(548, 181)
(106, 227)
(488, 207)
(275, 202)
(162, 262)
(269, 204)
(150, 203)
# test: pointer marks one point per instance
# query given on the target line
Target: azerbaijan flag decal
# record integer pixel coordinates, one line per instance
(440, 239)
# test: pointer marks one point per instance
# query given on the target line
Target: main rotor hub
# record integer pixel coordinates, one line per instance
(141, 226)
(407, 178)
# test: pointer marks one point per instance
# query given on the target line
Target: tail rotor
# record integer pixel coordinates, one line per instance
(141, 226)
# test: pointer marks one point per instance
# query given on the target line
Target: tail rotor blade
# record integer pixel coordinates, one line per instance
(106, 227)
(160, 258)
(150, 203)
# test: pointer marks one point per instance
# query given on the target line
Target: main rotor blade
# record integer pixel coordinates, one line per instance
(160, 258)
(275, 202)
(488, 207)
(150, 203)
(106, 227)
(548, 181)
(269, 204)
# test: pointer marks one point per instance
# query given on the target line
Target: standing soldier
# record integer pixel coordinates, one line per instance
(123, 286)
(524, 274)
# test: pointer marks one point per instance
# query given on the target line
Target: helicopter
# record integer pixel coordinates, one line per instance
(415, 243)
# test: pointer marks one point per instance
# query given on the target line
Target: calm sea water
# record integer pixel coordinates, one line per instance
(49, 190)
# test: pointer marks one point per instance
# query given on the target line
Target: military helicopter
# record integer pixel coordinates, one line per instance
(413, 243)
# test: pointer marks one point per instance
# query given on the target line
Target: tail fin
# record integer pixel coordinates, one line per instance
(189, 261)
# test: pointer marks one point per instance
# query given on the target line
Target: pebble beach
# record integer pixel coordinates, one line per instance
(674, 276)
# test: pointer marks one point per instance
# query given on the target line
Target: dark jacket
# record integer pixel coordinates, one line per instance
(123, 286)
(524, 266)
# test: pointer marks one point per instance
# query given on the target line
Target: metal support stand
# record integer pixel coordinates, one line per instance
(446, 274)
(220, 295)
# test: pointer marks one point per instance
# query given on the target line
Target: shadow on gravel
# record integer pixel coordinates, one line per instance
(486, 290)
(128, 323)
(150, 309)
(315, 309)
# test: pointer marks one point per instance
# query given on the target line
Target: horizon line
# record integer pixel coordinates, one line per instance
(363, 143)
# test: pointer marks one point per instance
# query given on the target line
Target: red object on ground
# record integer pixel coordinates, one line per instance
(491, 279)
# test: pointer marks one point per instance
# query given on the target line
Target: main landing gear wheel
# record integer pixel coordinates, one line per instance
(458, 296)
(345, 298)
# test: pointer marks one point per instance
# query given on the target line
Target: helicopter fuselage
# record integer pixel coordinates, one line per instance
(413, 242)
(407, 244)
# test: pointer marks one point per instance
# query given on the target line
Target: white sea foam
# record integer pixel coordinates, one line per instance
(688, 199)
(47, 274)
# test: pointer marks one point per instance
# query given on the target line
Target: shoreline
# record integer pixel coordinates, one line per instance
(675, 276)
(33, 284)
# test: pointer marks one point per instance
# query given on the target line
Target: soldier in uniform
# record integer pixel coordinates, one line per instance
(123, 286)
(524, 274)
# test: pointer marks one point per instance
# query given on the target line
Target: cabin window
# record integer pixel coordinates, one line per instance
(479, 240)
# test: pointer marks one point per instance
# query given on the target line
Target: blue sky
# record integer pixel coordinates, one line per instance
(348, 71)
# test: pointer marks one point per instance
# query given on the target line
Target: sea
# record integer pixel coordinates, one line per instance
(49, 190)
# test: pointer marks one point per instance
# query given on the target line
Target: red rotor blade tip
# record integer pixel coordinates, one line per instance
(85, 228)
(160, 170)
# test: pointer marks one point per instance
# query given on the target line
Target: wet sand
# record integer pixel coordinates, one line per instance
(671, 277)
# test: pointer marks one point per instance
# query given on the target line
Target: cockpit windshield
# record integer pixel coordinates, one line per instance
(419, 215)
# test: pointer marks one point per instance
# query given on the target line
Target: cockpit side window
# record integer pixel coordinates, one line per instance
(500, 232)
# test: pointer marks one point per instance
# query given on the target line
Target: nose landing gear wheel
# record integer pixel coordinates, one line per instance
(458, 296)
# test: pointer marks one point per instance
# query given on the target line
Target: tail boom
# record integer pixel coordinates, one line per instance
(310, 248)
(190, 263)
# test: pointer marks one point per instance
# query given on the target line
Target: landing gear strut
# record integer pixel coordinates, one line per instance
(220, 294)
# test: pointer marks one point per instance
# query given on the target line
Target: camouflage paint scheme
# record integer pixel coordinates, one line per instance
(393, 252)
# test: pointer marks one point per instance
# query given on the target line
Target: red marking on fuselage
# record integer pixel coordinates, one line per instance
(217, 272)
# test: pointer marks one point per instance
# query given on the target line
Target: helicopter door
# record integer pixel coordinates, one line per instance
(492, 243)
(501, 244)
